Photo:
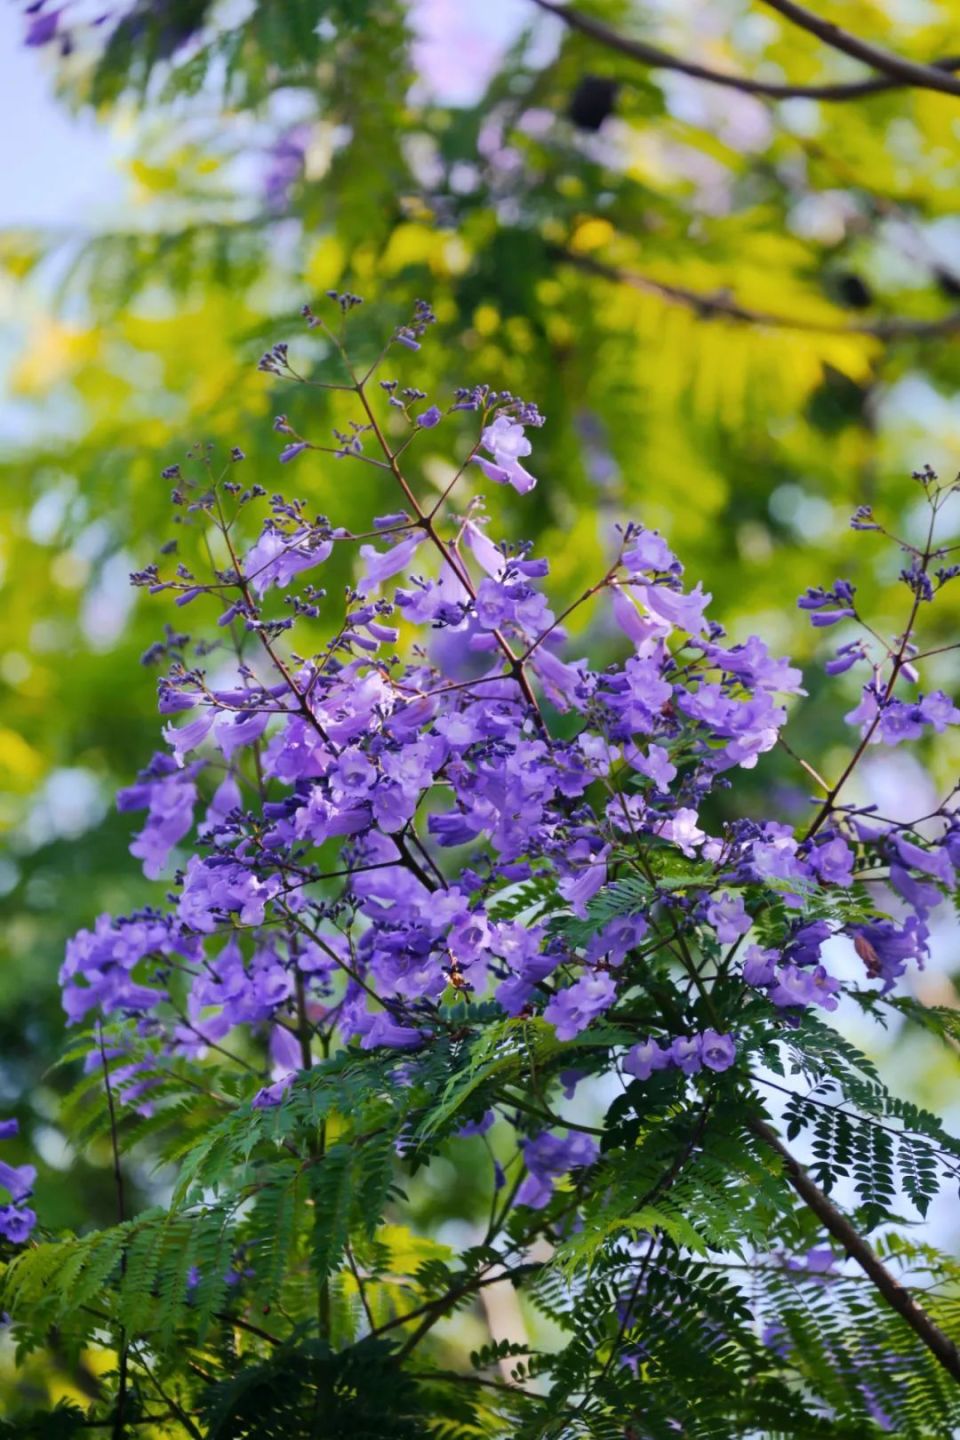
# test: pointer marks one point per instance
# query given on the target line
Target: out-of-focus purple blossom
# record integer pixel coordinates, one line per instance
(549, 1156)
(645, 1057)
(817, 1261)
(572, 1009)
(17, 1220)
(169, 795)
(478, 1127)
(272, 1095)
(285, 163)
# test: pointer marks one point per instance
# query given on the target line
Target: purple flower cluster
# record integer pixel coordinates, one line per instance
(548, 1157)
(16, 1218)
(372, 813)
(687, 1053)
(66, 24)
(787, 983)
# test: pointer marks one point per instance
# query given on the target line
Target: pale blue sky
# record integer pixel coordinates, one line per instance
(59, 168)
(55, 168)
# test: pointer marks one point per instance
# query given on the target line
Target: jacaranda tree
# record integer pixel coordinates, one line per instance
(435, 890)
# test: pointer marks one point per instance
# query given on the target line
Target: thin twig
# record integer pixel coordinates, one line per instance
(659, 59)
(721, 306)
(118, 1419)
(940, 1345)
(905, 72)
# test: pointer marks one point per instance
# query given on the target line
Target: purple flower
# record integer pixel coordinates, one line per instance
(935, 862)
(645, 1057)
(673, 608)
(727, 915)
(794, 986)
(846, 657)
(817, 1261)
(97, 971)
(648, 551)
(938, 711)
(429, 418)
(478, 1127)
(833, 862)
(832, 617)
(656, 765)
(16, 1223)
(17, 1180)
(686, 1053)
(42, 28)
(885, 947)
(277, 557)
(487, 555)
(212, 890)
(272, 1095)
(290, 452)
(817, 599)
(549, 1156)
(718, 1052)
(583, 884)
(169, 795)
(380, 565)
(615, 941)
(566, 685)
(682, 829)
(753, 664)
(759, 965)
(506, 442)
(571, 1010)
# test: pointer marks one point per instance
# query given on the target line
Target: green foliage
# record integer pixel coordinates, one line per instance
(307, 1390)
(732, 436)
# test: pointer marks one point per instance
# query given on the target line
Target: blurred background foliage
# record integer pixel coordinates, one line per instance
(739, 314)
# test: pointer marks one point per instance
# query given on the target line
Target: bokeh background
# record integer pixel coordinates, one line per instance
(740, 316)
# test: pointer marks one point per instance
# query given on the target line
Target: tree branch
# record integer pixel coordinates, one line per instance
(905, 72)
(659, 59)
(721, 306)
(896, 1295)
(122, 1347)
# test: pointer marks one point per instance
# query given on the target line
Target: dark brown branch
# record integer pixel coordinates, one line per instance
(659, 59)
(722, 307)
(896, 1295)
(122, 1347)
(906, 72)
